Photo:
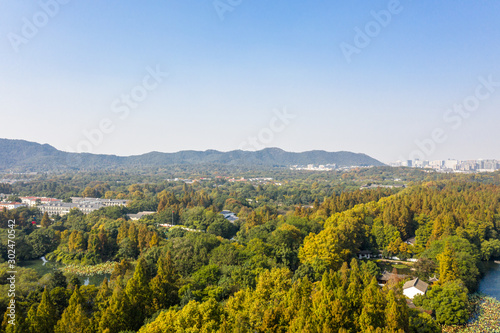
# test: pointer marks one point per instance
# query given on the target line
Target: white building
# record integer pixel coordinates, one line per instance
(11, 205)
(451, 164)
(365, 254)
(135, 217)
(104, 202)
(414, 287)
(32, 201)
(63, 208)
(437, 164)
(86, 205)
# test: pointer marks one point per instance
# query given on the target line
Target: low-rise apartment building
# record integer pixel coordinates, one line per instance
(86, 205)
(11, 205)
(33, 201)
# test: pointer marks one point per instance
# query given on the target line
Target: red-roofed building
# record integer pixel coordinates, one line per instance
(32, 201)
(11, 205)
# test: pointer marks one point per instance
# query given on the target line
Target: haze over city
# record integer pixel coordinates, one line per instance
(396, 80)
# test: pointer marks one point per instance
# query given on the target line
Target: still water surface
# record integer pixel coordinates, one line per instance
(490, 283)
(43, 268)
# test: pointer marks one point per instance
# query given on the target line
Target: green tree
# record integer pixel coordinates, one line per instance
(21, 323)
(31, 319)
(74, 319)
(448, 267)
(223, 228)
(372, 314)
(42, 241)
(139, 295)
(449, 301)
(490, 249)
(164, 285)
(60, 297)
(45, 318)
(115, 317)
(421, 322)
(46, 221)
(101, 303)
(89, 192)
(457, 259)
(133, 238)
(58, 280)
(77, 241)
(396, 313)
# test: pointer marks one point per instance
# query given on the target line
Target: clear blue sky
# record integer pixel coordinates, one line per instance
(227, 77)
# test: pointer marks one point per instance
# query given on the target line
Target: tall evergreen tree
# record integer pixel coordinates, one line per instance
(163, 286)
(133, 237)
(31, 319)
(396, 313)
(74, 319)
(143, 238)
(372, 314)
(115, 317)
(139, 295)
(448, 267)
(45, 318)
(101, 303)
(46, 221)
(154, 240)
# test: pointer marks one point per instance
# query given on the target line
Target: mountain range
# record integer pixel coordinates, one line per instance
(21, 155)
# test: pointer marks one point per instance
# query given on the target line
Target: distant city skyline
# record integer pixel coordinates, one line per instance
(471, 165)
(395, 80)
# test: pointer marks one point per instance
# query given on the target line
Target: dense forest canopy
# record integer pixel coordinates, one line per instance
(288, 264)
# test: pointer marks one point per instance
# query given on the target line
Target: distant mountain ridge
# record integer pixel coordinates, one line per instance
(17, 155)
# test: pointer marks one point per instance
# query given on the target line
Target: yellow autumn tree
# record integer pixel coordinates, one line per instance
(448, 267)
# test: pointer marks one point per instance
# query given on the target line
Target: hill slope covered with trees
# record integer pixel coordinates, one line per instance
(20, 155)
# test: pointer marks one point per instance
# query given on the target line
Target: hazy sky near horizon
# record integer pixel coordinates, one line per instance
(392, 79)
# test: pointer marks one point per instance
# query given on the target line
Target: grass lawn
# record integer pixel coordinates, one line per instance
(401, 268)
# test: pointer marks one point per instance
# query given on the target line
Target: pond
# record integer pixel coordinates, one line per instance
(490, 283)
(43, 268)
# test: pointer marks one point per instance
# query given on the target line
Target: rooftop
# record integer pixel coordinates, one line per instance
(386, 276)
(417, 283)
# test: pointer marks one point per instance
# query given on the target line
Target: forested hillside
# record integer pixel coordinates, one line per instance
(288, 264)
(25, 156)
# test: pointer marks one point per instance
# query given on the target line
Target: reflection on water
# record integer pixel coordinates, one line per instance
(40, 266)
(490, 284)
(43, 266)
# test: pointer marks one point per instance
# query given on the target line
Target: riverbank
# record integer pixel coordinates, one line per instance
(484, 318)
